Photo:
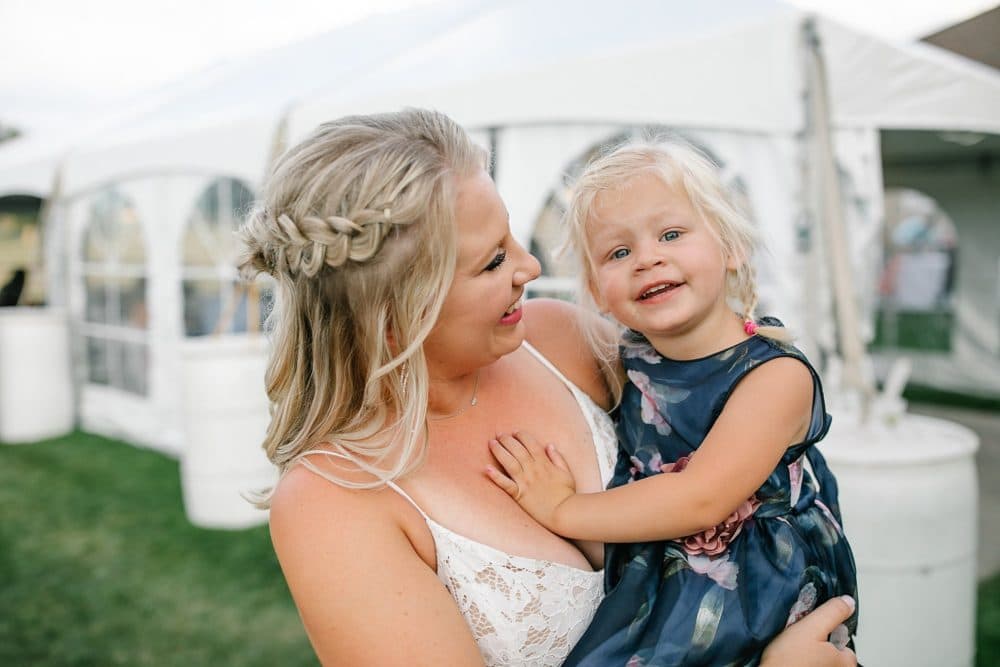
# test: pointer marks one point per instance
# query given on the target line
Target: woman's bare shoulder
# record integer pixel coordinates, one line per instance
(555, 328)
(357, 577)
(306, 503)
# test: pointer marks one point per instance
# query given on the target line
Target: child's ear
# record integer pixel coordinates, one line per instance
(595, 294)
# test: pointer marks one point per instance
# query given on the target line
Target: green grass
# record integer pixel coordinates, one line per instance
(988, 623)
(98, 566)
(916, 393)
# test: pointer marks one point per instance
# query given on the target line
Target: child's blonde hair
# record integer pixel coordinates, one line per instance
(681, 167)
(356, 225)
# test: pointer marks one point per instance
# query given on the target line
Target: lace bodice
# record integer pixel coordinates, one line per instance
(524, 611)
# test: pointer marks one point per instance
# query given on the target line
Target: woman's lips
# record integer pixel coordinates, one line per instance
(513, 314)
(513, 318)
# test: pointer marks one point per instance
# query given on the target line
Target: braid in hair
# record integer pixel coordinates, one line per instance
(278, 244)
(747, 294)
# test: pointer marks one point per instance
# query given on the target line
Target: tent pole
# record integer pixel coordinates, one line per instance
(832, 222)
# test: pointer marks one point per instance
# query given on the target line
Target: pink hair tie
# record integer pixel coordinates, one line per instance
(750, 327)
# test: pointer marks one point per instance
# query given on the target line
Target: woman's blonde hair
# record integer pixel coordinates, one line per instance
(681, 167)
(356, 225)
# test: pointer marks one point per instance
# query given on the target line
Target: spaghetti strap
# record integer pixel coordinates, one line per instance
(395, 487)
(548, 364)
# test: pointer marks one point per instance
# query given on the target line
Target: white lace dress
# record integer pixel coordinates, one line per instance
(524, 611)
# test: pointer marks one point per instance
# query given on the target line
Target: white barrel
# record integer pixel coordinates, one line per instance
(36, 380)
(225, 417)
(909, 501)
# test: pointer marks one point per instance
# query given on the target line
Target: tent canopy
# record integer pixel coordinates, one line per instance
(719, 64)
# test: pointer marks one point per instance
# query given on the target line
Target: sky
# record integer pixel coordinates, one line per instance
(60, 59)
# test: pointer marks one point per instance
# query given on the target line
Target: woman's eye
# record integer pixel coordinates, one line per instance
(497, 261)
(670, 235)
(619, 253)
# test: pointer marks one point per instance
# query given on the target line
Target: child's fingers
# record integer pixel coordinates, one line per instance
(509, 462)
(515, 447)
(504, 482)
(530, 444)
(556, 458)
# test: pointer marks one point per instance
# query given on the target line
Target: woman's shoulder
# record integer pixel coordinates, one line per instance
(556, 329)
(303, 498)
(311, 501)
(359, 570)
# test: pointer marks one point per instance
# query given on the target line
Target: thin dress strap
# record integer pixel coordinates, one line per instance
(395, 487)
(548, 364)
(390, 484)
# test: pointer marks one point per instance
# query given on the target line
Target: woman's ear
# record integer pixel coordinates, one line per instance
(734, 260)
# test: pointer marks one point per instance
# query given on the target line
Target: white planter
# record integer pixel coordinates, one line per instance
(225, 417)
(909, 502)
(36, 382)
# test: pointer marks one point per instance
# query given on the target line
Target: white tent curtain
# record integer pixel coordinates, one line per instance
(557, 76)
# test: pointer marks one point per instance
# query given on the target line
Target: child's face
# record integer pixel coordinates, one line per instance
(657, 267)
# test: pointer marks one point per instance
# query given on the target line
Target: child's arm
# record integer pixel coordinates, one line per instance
(768, 411)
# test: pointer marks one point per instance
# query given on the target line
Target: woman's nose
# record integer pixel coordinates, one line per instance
(528, 267)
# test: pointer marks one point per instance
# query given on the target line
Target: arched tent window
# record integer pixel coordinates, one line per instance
(214, 300)
(20, 251)
(114, 326)
(559, 273)
(559, 270)
(917, 281)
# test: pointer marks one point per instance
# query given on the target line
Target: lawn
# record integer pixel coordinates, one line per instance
(99, 567)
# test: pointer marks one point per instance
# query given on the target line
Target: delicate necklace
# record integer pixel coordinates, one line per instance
(472, 401)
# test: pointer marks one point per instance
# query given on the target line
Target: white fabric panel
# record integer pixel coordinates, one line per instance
(27, 166)
(906, 86)
(223, 119)
(860, 164)
(239, 149)
(531, 162)
(162, 205)
(719, 64)
(553, 78)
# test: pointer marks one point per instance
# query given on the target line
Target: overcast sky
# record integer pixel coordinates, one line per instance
(63, 58)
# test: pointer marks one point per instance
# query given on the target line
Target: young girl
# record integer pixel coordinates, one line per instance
(722, 518)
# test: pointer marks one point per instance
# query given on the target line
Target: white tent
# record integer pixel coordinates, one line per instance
(542, 84)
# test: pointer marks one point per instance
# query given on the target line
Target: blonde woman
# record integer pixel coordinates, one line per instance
(401, 346)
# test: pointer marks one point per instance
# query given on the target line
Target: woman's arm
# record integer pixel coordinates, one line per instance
(364, 594)
(767, 411)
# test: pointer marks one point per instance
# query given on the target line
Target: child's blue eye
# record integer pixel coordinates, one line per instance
(497, 261)
(670, 235)
(619, 253)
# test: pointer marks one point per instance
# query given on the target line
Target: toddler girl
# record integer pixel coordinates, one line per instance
(721, 520)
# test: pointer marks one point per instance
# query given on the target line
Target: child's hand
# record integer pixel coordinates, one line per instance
(537, 478)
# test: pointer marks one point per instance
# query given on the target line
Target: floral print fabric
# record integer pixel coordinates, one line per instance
(716, 598)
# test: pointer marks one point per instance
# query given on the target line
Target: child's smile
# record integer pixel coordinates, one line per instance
(658, 292)
(658, 268)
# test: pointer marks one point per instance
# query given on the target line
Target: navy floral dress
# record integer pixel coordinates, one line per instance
(719, 597)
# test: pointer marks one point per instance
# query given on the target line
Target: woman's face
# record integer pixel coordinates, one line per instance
(480, 320)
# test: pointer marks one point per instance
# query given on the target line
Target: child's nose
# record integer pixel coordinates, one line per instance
(649, 255)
